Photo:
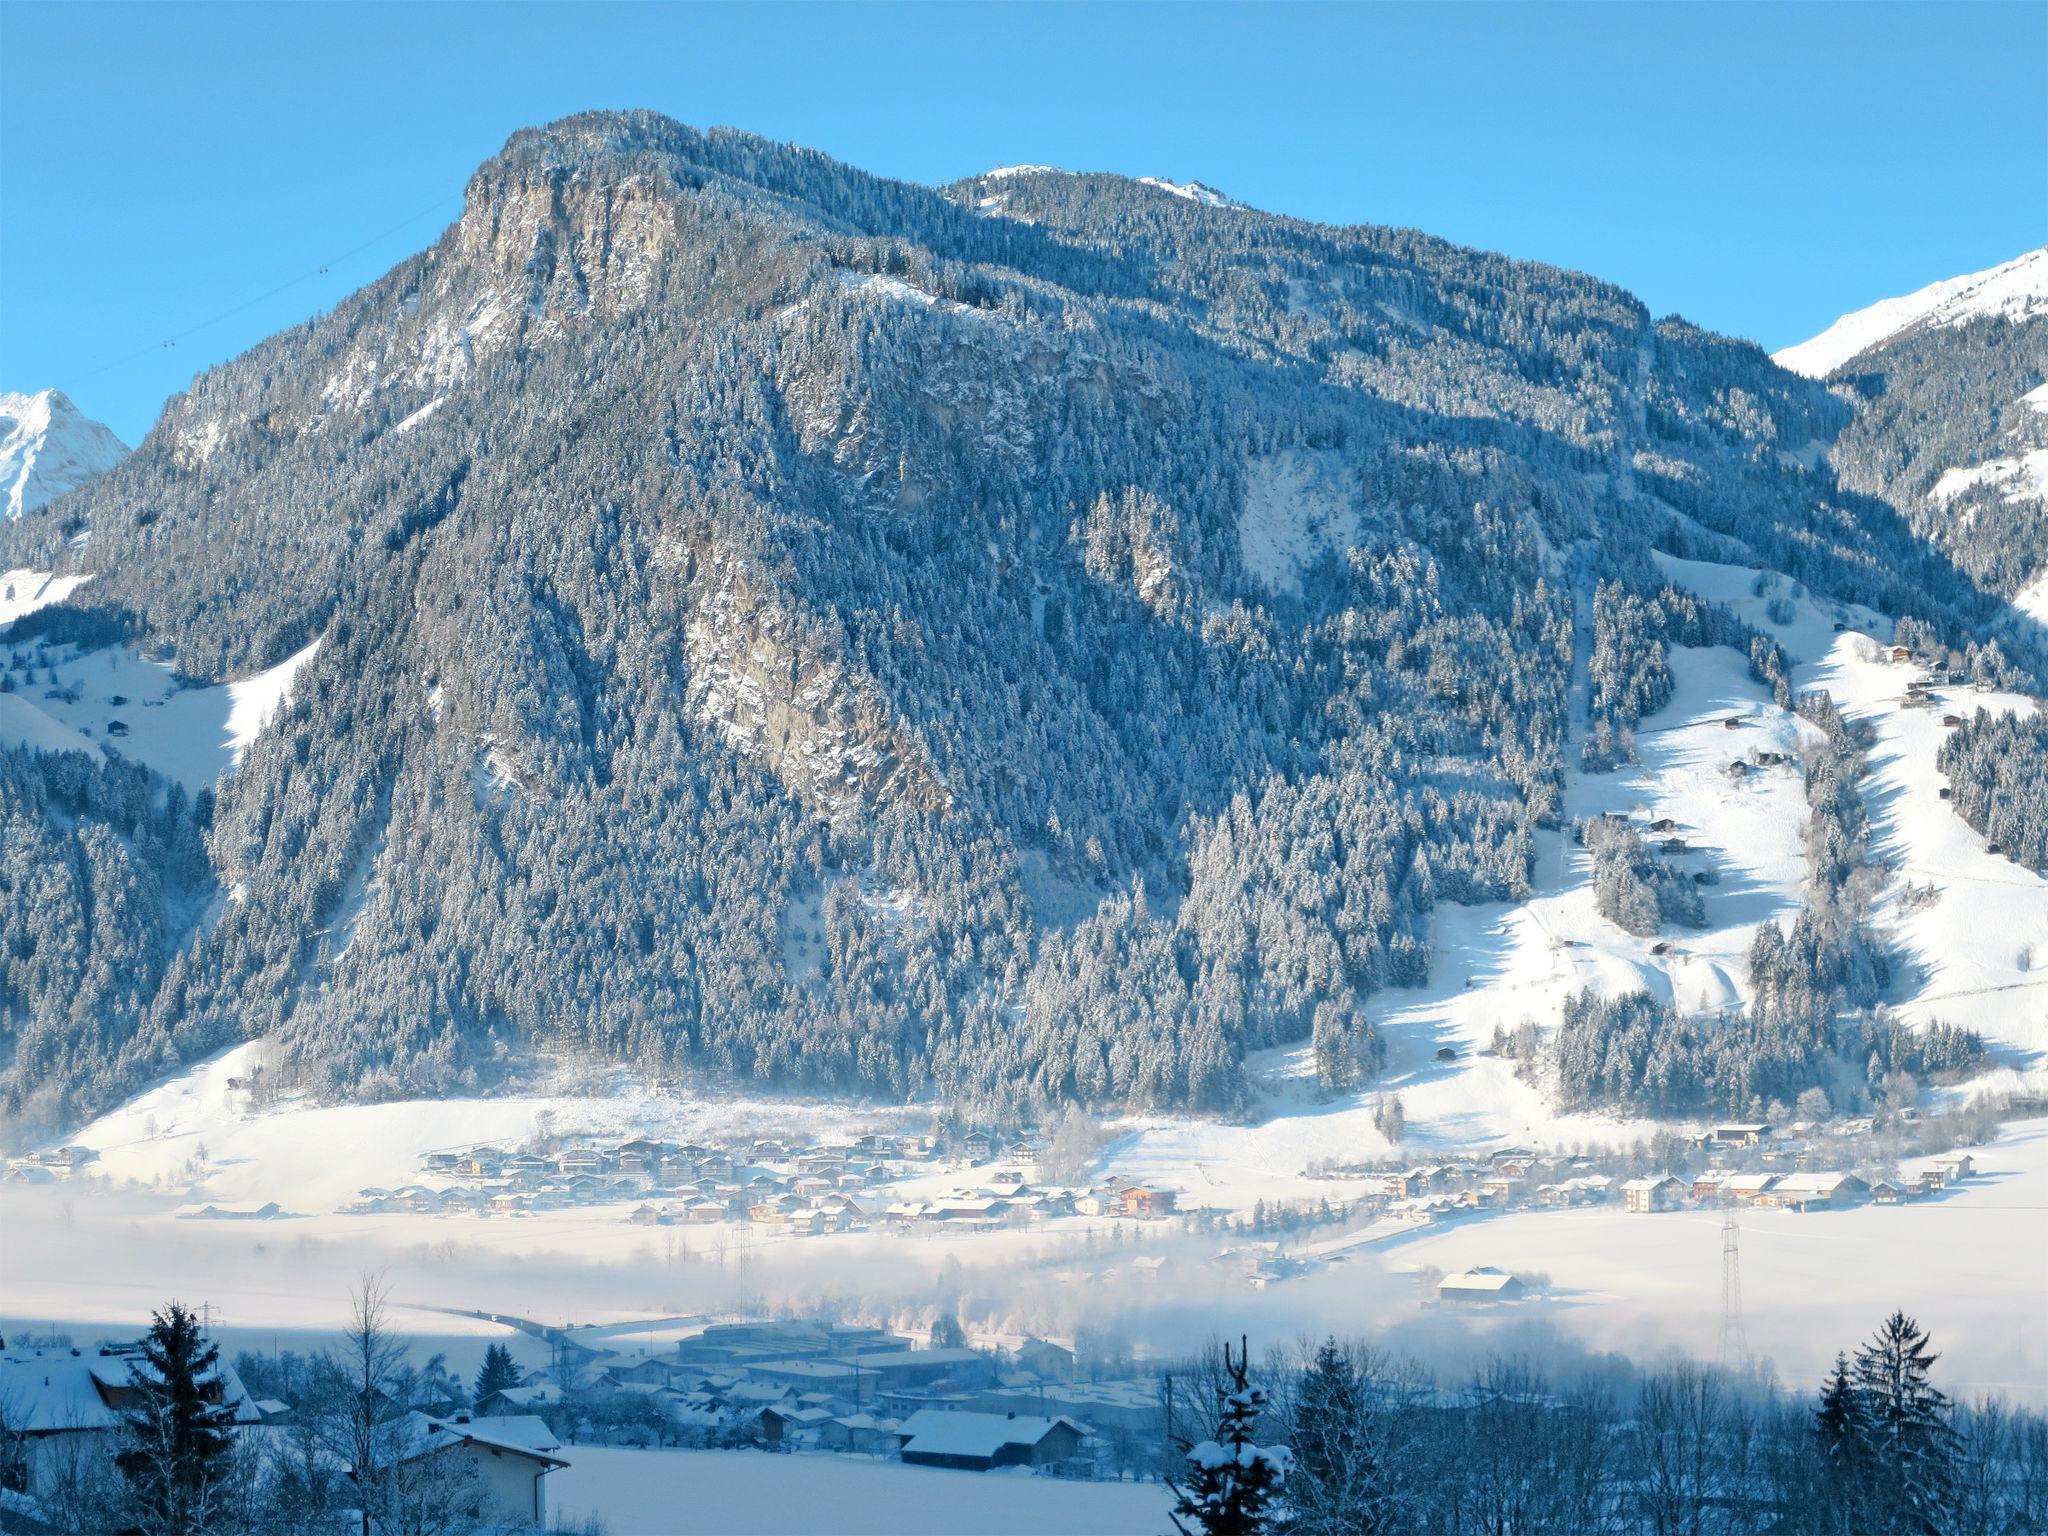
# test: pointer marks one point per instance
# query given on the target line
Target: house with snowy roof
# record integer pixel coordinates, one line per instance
(509, 1457)
(978, 1442)
(1483, 1283)
(1817, 1191)
(61, 1403)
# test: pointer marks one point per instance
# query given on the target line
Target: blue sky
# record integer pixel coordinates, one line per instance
(185, 172)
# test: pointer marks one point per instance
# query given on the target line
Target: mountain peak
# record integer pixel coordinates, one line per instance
(2014, 290)
(47, 447)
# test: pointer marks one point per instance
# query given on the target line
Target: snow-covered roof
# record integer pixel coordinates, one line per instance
(1484, 1278)
(521, 1434)
(1813, 1183)
(943, 1432)
(45, 1390)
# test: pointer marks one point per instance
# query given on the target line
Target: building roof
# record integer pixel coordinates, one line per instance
(45, 1390)
(1483, 1278)
(1814, 1183)
(944, 1432)
(1657, 1182)
(418, 1435)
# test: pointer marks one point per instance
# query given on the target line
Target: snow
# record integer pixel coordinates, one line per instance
(189, 735)
(2016, 290)
(2024, 478)
(22, 592)
(2032, 599)
(2036, 399)
(419, 415)
(1971, 1264)
(47, 447)
(1297, 507)
(1193, 191)
(745, 1493)
(1005, 172)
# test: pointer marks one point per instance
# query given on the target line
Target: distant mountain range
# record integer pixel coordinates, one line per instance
(48, 447)
(1038, 639)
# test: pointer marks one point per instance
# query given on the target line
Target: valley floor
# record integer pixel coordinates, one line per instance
(754, 1493)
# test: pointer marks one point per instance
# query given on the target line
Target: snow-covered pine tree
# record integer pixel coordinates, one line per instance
(1910, 1439)
(1336, 1484)
(1233, 1483)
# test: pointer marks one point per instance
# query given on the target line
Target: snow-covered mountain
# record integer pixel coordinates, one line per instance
(47, 447)
(1947, 385)
(2016, 290)
(1048, 635)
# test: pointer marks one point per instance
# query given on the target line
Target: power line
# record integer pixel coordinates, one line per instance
(271, 293)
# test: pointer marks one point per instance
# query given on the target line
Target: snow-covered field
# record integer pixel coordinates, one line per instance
(746, 1493)
(113, 699)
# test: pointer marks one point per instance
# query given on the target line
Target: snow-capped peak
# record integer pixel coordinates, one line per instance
(2015, 291)
(1005, 172)
(1193, 191)
(47, 447)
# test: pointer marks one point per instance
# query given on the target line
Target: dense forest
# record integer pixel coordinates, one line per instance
(1997, 767)
(1034, 640)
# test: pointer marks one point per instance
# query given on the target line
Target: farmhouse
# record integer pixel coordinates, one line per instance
(976, 1442)
(1485, 1283)
(1816, 1191)
(509, 1456)
(1740, 1133)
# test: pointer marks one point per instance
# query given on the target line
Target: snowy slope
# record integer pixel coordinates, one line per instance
(47, 447)
(113, 698)
(2016, 290)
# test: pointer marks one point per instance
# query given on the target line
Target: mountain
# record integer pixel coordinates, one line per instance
(2014, 291)
(48, 447)
(1042, 638)
(1949, 388)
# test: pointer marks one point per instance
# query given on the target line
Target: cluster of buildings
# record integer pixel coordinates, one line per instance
(806, 1189)
(48, 1167)
(1771, 1175)
(809, 1386)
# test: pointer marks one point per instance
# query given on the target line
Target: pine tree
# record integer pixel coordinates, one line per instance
(179, 1431)
(1335, 1483)
(1232, 1482)
(498, 1372)
(1841, 1434)
(1912, 1443)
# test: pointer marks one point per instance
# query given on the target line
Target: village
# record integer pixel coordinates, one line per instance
(797, 1189)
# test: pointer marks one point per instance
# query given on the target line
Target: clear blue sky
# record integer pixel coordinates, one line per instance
(1757, 168)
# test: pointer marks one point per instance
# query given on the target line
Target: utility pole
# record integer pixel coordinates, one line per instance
(1734, 1344)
